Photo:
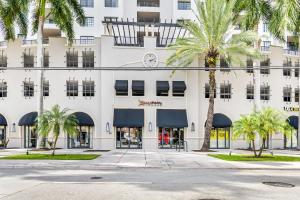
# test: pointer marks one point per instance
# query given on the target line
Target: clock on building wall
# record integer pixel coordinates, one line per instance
(150, 60)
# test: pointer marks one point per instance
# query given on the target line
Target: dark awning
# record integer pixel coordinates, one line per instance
(293, 121)
(121, 85)
(171, 118)
(221, 121)
(162, 86)
(29, 119)
(138, 85)
(84, 119)
(178, 86)
(130, 118)
(3, 121)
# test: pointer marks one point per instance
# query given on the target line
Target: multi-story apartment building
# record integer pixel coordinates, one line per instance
(108, 79)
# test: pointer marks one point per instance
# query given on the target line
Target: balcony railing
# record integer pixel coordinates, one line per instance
(291, 52)
(148, 3)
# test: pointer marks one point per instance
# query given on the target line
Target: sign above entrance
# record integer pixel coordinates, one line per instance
(149, 103)
(291, 109)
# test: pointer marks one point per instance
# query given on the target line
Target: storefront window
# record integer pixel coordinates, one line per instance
(129, 138)
(82, 139)
(170, 138)
(2, 136)
(220, 138)
(291, 141)
(30, 136)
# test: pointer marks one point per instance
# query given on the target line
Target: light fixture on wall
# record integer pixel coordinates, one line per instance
(13, 127)
(150, 127)
(107, 128)
(193, 127)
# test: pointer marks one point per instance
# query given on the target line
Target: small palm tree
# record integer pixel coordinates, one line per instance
(55, 121)
(209, 37)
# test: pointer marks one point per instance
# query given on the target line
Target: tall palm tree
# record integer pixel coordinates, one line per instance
(55, 120)
(209, 37)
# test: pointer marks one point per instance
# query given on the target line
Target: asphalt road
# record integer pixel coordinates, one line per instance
(147, 184)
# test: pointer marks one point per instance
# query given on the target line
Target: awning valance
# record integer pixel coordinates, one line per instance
(221, 121)
(171, 118)
(121, 85)
(179, 86)
(138, 85)
(130, 118)
(293, 121)
(29, 119)
(162, 86)
(3, 121)
(84, 119)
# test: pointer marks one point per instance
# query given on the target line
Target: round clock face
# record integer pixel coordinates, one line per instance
(150, 60)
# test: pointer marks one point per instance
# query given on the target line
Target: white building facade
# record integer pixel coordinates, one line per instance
(107, 78)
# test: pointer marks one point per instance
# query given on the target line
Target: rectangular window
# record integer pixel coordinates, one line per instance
(225, 91)
(28, 88)
(297, 95)
(138, 88)
(111, 3)
(207, 91)
(87, 3)
(224, 65)
(250, 92)
(46, 59)
(3, 59)
(266, 46)
(206, 65)
(287, 94)
(88, 59)
(148, 3)
(265, 27)
(249, 65)
(265, 65)
(46, 89)
(287, 64)
(3, 89)
(87, 40)
(297, 66)
(28, 59)
(184, 5)
(265, 92)
(88, 22)
(72, 58)
(72, 88)
(88, 88)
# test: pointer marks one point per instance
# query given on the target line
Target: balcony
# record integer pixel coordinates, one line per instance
(145, 3)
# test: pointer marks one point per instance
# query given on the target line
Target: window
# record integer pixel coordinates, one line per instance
(138, 88)
(88, 59)
(46, 59)
(249, 65)
(265, 92)
(287, 64)
(148, 3)
(206, 65)
(28, 88)
(223, 65)
(72, 58)
(297, 65)
(3, 59)
(184, 5)
(111, 3)
(225, 91)
(266, 46)
(87, 3)
(265, 27)
(3, 89)
(287, 94)
(46, 89)
(250, 92)
(87, 40)
(88, 88)
(265, 65)
(178, 88)
(88, 22)
(297, 95)
(207, 91)
(72, 88)
(28, 59)
(121, 87)
(162, 88)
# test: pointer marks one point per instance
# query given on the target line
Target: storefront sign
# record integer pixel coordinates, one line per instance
(291, 109)
(150, 103)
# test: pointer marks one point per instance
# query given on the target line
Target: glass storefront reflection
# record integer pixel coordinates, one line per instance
(30, 136)
(129, 138)
(82, 139)
(220, 138)
(169, 138)
(291, 141)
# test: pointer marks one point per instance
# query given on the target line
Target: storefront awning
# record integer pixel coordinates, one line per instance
(84, 119)
(293, 121)
(178, 86)
(171, 118)
(138, 85)
(130, 118)
(29, 119)
(3, 121)
(221, 121)
(121, 85)
(162, 86)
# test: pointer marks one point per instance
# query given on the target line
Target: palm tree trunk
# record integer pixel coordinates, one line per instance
(54, 144)
(210, 112)
(260, 151)
(40, 65)
(254, 148)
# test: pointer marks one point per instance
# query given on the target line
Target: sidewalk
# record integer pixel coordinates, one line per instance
(160, 159)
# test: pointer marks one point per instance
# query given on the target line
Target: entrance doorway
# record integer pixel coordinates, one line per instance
(171, 138)
(291, 142)
(82, 140)
(30, 136)
(220, 138)
(129, 138)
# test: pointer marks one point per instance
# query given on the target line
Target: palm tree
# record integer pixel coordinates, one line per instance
(208, 38)
(52, 122)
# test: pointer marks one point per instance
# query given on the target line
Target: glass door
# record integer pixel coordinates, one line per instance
(82, 140)
(129, 138)
(30, 139)
(220, 138)
(291, 141)
(169, 138)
